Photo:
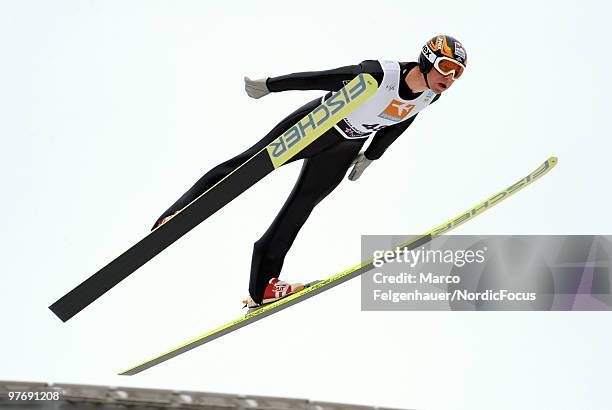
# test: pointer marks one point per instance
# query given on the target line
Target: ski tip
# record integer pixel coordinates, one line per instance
(551, 162)
(370, 79)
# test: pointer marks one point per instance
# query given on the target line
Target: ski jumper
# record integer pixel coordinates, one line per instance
(387, 114)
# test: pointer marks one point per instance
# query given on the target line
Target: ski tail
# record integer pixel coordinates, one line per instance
(348, 274)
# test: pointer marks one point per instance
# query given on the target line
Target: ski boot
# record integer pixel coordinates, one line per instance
(275, 290)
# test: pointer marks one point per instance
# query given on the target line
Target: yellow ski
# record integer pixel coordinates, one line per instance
(342, 277)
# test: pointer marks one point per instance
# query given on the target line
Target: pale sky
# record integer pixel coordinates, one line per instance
(112, 109)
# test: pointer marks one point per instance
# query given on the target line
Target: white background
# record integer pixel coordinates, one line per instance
(111, 109)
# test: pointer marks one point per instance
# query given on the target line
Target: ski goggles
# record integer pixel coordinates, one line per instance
(446, 66)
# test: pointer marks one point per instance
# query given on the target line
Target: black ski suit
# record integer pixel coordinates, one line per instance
(326, 161)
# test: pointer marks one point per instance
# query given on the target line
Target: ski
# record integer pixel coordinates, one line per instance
(282, 149)
(355, 271)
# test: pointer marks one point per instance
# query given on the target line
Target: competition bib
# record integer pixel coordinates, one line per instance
(385, 107)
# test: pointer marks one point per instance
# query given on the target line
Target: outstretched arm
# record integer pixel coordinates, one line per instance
(327, 80)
